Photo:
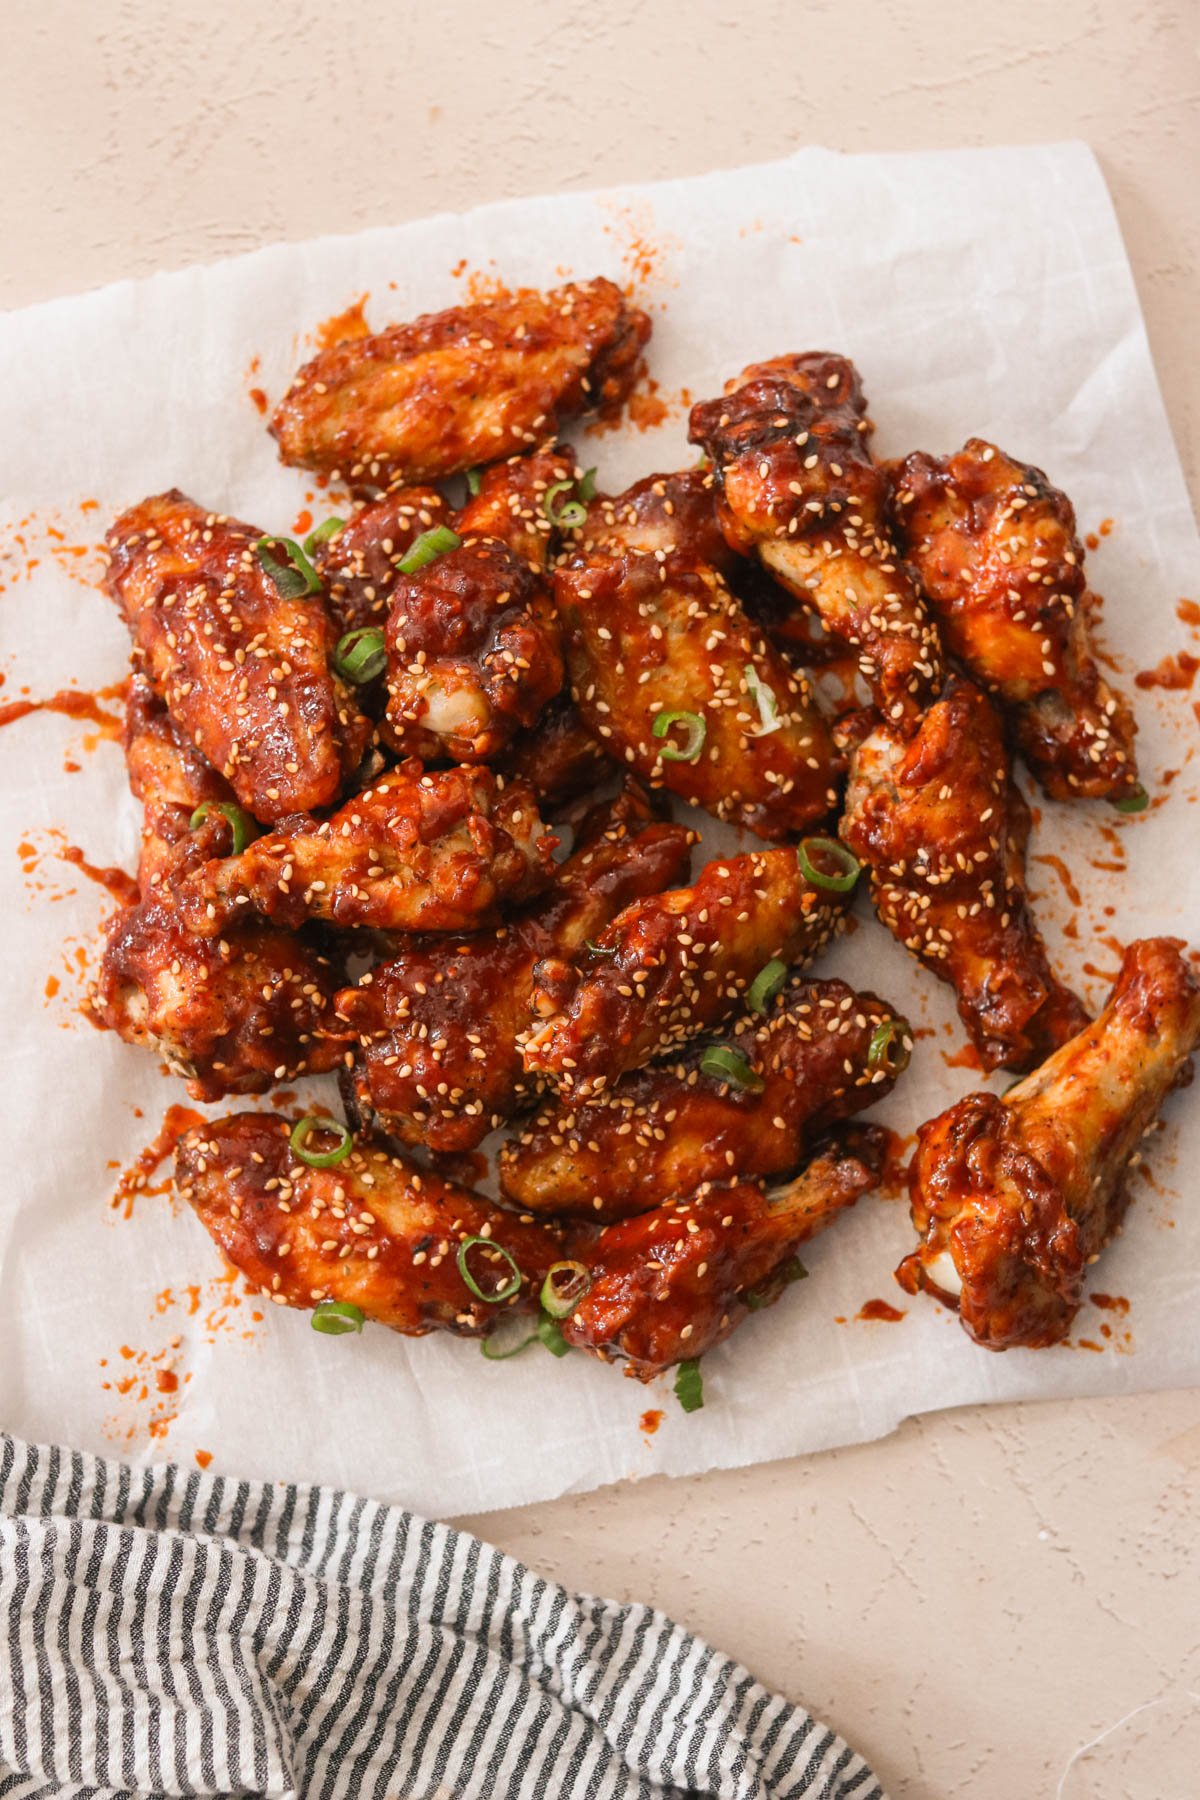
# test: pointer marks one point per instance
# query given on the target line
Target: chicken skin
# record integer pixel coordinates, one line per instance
(437, 851)
(422, 401)
(798, 487)
(661, 512)
(518, 502)
(170, 777)
(670, 1284)
(1015, 1196)
(373, 1231)
(359, 564)
(558, 757)
(995, 549)
(437, 1026)
(669, 967)
(243, 668)
(822, 1054)
(942, 828)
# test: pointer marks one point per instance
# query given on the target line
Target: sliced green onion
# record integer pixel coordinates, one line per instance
(569, 516)
(849, 865)
(361, 655)
(689, 1386)
(1136, 802)
(766, 985)
(586, 485)
(881, 1055)
(511, 1286)
(474, 482)
(731, 1066)
(303, 1129)
(292, 578)
(322, 534)
(550, 1336)
(692, 745)
(596, 949)
(490, 1346)
(427, 548)
(566, 1284)
(336, 1317)
(240, 823)
(766, 1295)
(764, 698)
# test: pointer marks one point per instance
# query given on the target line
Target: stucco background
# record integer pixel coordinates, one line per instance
(976, 1598)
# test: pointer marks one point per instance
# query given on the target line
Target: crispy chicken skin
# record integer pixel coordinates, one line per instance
(942, 829)
(671, 966)
(653, 633)
(437, 1026)
(422, 401)
(995, 549)
(661, 512)
(170, 777)
(358, 564)
(1014, 1197)
(666, 1129)
(669, 1284)
(417, 851)
(244, 671)
(798, 487)
(374, 1230)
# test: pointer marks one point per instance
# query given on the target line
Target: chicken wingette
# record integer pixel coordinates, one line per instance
(359, 563)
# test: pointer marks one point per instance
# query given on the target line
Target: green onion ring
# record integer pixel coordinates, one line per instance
(474, 482)
(292, 579)
(569, 516)
(303, 1129)
(550, 1336)
(764, 698)
(361, 655)
(692, 745)
(1136, 802)
(243, 827)
(487, 1346)
(511, 1287)
(836, 884)
(427, 548)
(322, 533)
(560, 1301)
(879, 1056)
(595, 949)
(337, 1317)
(689, 1386)
(766, 985)
(731, 1066)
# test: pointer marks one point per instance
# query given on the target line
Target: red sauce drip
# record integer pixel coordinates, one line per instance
(122, 887)
(134, 1180)
(650, 1421)
(259, 398)
(166, 1380)
(204, 1457)
(1176, 672)
(1188, 612)
(343, 326)
(1110, 1302)
(73, 703)
(966, 1058)
(1064, 875)
(893, 1179)
(879, 1310)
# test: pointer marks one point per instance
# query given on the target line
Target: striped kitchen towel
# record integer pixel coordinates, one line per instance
(165, 1632)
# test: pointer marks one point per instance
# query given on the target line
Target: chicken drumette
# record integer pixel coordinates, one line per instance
(994, 547)
(660, 512)
(360, 563)
(822, 1054)
(170, 777)
(473, 384)
(1015, 1196)
(942, 827)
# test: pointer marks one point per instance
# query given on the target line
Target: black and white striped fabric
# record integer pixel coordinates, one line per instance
(172, 1633)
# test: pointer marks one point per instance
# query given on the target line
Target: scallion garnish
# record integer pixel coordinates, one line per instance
(849, 867)
(323, 532)
(891, 1046)
(336, 1317)
(792, 1270)
(731, 1066)
(511, 1286)
(692, 745)
(492, 1346)
(587, 485)
(361, 655)
(290, 579)
(1135, 802)
(474, 481)
(764, 698)
(566, 1284)
(550, 1336)
(304, 1128)
(689, 1386)
(427, 548)
(596, 949)
(570, 515)
(766, 985)
(240, 823)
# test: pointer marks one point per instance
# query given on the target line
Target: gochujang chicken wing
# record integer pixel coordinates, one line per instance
(1015, 1196)
(558, 757)
(822, 1054)
(170, 777)
(360, 562)
(242, 663)
(995, 548)
(798, 487)
(661, 512)
(438, 1061)
(422, 401)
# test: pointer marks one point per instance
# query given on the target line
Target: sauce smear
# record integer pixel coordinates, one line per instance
(73, 703)
(880, 1311)
(135, 1179)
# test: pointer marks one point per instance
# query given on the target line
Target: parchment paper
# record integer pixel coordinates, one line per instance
(985, 291)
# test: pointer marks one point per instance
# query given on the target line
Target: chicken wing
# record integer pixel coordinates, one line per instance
(994, 547)
(670, 1284)
(243, 667)
(415, 852)
(373, 1231)
(473, 384)
(798, 486)
(942, 827)
(170, 777)
(517, 502)
(669, 967)
(661, 512)
(437, 1026)
(359, 564)
(558, 757)
(1014, 1197)
(822, 1054)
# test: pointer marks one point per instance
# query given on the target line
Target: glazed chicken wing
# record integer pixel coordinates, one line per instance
(1014, 1197)
(374, 1230)
(799, 488)
(170, 777)
(558, 757)
(669, 967)
(437, 851)
(518, 501)
(822, 1054)
(668, 1285)
(473, 384)
(437, 1026)
(359, 564)
(942, 828)
(243, 668)
(994, 546)
(661, 512)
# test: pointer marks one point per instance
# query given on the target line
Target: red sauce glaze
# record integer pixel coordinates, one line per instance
(73, 703)
(651, 1420)
(122, 887)
(880, 1311)
(134, 1180)
(1177, 672)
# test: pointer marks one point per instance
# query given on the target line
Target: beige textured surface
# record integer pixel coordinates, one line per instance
(975, 1598)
